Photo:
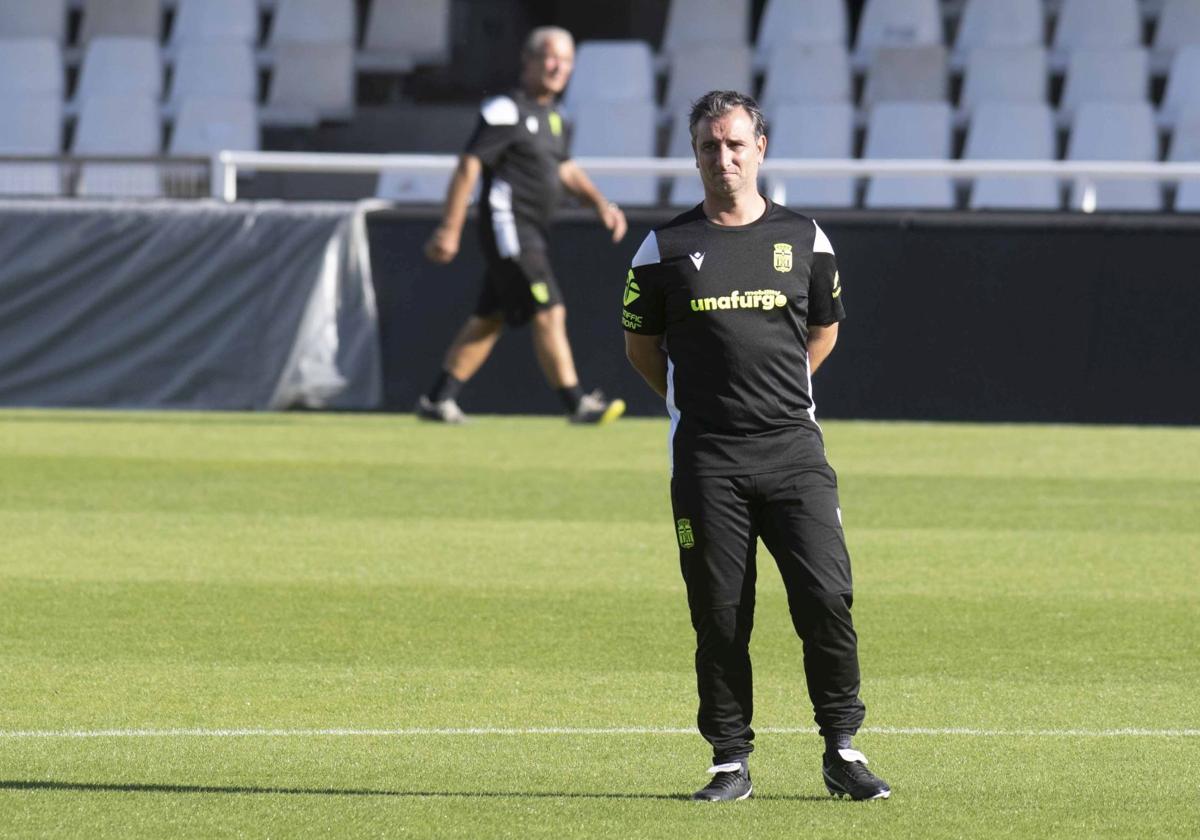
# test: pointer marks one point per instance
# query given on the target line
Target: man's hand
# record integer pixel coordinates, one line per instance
(614, 220)
(442, 246)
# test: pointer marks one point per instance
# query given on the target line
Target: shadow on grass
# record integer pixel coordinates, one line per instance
(99, 787)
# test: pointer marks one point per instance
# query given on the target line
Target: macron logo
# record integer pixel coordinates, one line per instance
(697, 259)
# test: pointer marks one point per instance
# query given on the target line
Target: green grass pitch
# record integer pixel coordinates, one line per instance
(1024, 594)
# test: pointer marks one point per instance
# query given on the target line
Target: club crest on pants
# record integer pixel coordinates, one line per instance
(684, 529)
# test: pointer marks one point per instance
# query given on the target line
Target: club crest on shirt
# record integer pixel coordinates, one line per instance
(783, 256)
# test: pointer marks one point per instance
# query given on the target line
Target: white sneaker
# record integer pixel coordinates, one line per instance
(445, 411)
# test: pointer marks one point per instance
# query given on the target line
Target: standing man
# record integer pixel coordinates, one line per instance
(520, 147)
(729, 310)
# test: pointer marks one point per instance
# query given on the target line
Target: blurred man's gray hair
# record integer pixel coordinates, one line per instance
(718, 103)
(536, 40)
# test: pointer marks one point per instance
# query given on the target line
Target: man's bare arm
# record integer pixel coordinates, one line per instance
(443, 245)
(580, 185)
(820, 344)
(646, 355)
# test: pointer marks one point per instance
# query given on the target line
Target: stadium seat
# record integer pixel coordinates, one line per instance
(799, 73)
(809, 22)
(32, 125)
(1095, 24)
(205, 125)
(120, 66)
(692, 23)
(611, 71)
(401, 34)
(121, 19)
(1012, 131)
(685, 190)
(207, 21)
(310, 82)
(41, 19)
(411, 187)
(1183, 85)
(618, 129)
(909, 130)
(1004, 74)
(214, 69)
(1115, 131)
(30, 66)
(1116, 74)
(313, 22)
(1185, 146)
(700, 69)
(998, 23)
(817, 130)
(118, 125)
(1178, 27)
(897, 23)
(906, 74)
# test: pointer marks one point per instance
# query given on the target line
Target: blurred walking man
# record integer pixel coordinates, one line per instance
(728, 310)
(520, 148)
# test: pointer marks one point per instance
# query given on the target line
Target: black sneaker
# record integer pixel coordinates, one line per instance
(730, 783)
(594, 408)
(846, 774)
(445, 411)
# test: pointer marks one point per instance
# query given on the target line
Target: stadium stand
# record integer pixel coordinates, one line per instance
(207, 124)
(907, 74)
(400, 34)
(31, 66)
(1090, 24)
(703, 68)
(1117, 74)
(120, 66)
(998, 23)
(1012, 131)
(209, 21)
(41, 19)
(214, 69)
(309, 83)
(786, 24)
(1178, 27)
(807, 73)
(1183, 85)
(312, 22)
(693, 23)
(121, 19)
(119, 125)
(32, 125)
(683, 191)
(619, 129)
(1115, 131)
(897, 23)
(815, 130)
(911, 130)
(1004, 74)
(611, 71)
(1185, 146)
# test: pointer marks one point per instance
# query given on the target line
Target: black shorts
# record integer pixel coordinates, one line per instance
(517, 288)
(718, 520)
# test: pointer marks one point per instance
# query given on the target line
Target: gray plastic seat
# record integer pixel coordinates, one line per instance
(1183, 85)
(807, 73)
(908, 74)
(213, 70)
(816, 130)
(206, 21)
(1185, 146)
(693, 23)
(1095, 24)
(786, 23)
(999, 23)
(401, 34)
(1004, 74)
(700, 69)
(120, 66)
(612, 71)
(30, 66)
(912, 131)
(897, 23)
(121, 19)
(118, 125)
(1116, 74)
(1120, 131)
(312, 22)
(1178, 27)
(684, 190)
(619, 129)
(205, 125)
(40, 19)
(310, 83)
(32, 125)
(1013, 131)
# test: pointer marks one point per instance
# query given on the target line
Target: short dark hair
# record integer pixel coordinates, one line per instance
(718, 103)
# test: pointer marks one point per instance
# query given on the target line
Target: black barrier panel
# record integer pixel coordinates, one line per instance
(950, 317)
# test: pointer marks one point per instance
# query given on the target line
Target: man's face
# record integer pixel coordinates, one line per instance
(548, 70)
(728, 154)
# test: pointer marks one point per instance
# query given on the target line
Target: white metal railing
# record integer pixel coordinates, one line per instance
(225, 166)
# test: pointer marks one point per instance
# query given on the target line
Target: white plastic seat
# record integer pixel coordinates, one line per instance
(206, 21)
(120, 66)
(207, 124)
(692, 23)
(807, 73)
(1115, 131)
(819, 130)
(1178, 27)
(897, 23)
(310, 82)
(214, 69)
(401, 34)
(121, 19)
(118, 125)
(998, 23)
(411, 187)
(1183, 85)
(685, 190)
(1185, 146)
(786, 23)
(1013, 131)
(907, 74)
(619, 129)
(909, 131)
(1004, 74)
(313, 22)
(1095, 24)
(612, 71)
(1117, 74)
(31, 66)
(32, 125)
(40, 19)
(696, 71)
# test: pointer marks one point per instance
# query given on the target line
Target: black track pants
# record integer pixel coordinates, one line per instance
(718, 521)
